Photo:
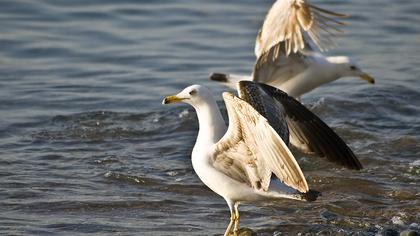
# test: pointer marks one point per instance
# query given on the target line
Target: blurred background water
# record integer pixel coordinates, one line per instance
(87, 149)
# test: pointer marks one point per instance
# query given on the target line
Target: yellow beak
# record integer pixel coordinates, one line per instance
(171, 99)
(368, 78)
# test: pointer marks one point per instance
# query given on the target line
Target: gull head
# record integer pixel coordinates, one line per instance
(348, 68)
(193, 95)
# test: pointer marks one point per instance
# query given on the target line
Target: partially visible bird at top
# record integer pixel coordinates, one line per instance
(285, 57)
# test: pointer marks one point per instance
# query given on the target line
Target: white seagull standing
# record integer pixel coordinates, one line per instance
(285, 58)
(238, 162)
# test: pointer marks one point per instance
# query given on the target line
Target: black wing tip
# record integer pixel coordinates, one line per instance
(352, 162)
(356, 166)
(348, 161)
(219, 77)
(311, 195)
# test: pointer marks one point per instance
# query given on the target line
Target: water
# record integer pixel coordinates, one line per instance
(86, 147)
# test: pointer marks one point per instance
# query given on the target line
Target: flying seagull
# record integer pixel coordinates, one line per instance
(285, 57)
(237, 162)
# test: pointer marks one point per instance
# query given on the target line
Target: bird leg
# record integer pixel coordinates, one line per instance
(236, 228)
(232, 219)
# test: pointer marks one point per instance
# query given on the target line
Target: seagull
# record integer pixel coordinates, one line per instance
(237, 162)
(285, 57)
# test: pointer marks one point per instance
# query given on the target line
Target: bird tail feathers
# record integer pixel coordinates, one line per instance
(280, 190)
(310, 196)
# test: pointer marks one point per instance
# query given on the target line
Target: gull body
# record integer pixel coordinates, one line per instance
(318, 70)
(285, 58)
(223, 160)
(212, 127)
(237, 161)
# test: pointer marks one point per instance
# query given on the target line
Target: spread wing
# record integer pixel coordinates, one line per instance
(289, 20)
(308, 133)
(276, 70)
(266, 106)
(251, 150)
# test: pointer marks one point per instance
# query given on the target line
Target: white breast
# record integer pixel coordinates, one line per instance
(218, 182)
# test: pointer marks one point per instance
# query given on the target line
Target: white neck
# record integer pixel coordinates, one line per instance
(212, 125)
(334, 68)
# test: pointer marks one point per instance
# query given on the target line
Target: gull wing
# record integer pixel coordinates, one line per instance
(276, 70)
(308, 133)
(289, 20)
(251, 150)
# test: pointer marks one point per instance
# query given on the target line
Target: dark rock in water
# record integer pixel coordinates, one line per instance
(389, 232)
(414, 226)
(329, 216)
(409, 233)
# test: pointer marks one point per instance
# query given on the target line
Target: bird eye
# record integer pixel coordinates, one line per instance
(193, 92)
(353, 67)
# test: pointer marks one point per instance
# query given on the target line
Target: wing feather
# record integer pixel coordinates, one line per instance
(276, 70)
(288, 19)
(308, 132)
(261, 150)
